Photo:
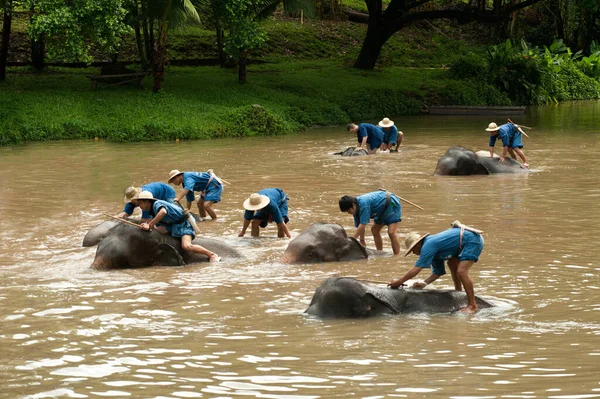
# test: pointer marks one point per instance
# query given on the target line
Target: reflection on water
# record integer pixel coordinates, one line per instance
(236, 329)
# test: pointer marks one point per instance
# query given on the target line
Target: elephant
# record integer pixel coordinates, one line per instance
(352, 152)
(459, 161)
(126, 246)
(324, 242)
(345, 297)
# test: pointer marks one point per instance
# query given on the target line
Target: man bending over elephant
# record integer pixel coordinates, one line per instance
(175, 220)
(159, 191)
(208, 184)
(512, 141)
(381, 206)
(367, 133)
(460, 247)
(268, 205)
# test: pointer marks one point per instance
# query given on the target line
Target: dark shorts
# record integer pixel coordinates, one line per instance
(472, 247)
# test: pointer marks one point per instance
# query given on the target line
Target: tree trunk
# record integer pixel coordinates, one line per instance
(369, 53)
(220, 35)
(242, 70)
(159, 59)
(7, 21)
(138, 36)
(38, 46)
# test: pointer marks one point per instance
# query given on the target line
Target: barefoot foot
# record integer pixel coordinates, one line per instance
(469, 309)
(214, 258)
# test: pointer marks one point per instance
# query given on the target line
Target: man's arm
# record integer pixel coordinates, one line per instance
(360, 234)
(149, 226)
(282, 229)
(363, 144)
(427, 281)
(410, 274)
(244, 227)
(503, 156)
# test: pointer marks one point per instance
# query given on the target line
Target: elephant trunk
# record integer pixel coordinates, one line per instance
(101, 263)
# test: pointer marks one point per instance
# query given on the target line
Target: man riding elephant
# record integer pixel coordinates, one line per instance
(159, 191)
(367, 133)
(176, 222)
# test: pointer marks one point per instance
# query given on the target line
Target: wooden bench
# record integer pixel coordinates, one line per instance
(121, 79)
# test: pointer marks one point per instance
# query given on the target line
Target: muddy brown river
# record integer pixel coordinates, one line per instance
(237, 329)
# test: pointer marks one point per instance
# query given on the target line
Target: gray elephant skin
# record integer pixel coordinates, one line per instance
(459, 161)
(352, 152)
(344, 297)
(124, 246)
(324, 242)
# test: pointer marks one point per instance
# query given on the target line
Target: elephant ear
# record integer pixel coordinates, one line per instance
(351, 249)
(167, 256)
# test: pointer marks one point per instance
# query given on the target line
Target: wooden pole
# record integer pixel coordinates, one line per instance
(411, 203)
(122, 220)
(518, 128)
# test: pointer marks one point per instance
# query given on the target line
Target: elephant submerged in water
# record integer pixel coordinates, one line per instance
(352, 152)
(459, 161)
(344, 297)
(323, 242)
(124, 246)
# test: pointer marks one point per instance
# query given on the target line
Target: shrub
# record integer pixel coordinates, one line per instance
(470, 66)
(469, 92)
(253, 120)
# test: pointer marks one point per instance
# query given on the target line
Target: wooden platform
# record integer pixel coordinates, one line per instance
(464, 110)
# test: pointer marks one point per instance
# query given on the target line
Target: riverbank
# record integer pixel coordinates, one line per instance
(208, 102)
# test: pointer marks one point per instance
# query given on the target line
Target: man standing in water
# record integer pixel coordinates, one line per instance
(381, 206)
(512, 141)
(208, 184)
(267, 205)
(367, 133)
(175, 220)
(460, 247)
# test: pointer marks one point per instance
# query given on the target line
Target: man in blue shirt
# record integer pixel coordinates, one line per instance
(511, 141)
(207, 183)
(175, 220)
(391, 135)
(381, 206)
(460, 247)
(367, 133)
(158, 190)
(268, 205)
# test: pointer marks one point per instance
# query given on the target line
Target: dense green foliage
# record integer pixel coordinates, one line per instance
(531, 75)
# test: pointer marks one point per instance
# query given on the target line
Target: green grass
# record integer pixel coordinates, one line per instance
(207, 102)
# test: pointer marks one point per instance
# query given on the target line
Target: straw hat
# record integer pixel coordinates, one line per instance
(492, 127)
(256, 201)
(131, 193)
(146, 195)
(174, 173)
(386, 122)
(413, 239)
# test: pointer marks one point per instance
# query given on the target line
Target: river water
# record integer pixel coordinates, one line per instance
(237, 329)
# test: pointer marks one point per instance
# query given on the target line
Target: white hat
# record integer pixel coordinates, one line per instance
(492, 127)
(131, 193)
(386, 122)
(146, 195)
(256, 201)
(413, 239)
(173, 174)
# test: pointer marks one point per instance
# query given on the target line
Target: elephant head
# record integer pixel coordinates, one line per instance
(324, 243)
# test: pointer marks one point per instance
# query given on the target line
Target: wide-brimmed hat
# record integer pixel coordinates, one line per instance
(386, 122)
(146, 195)
(492, 127)
(256, 201)
(413, 239)
(131, 193)
(174, 173)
